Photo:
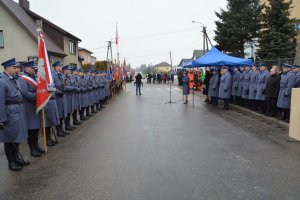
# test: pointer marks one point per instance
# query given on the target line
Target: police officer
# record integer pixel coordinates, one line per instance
(240, 86)
(225, 87)
(69, 90)
(83, 99)
(235, 84)
(89, 94)
(287, 82)
(13, 129)
(213, 91)
(59, 80)
(28, 85)
(261, 88)
(76, 96)
(252, 88)
(246, 86)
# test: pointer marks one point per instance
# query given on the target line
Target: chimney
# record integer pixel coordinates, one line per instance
(24, 4)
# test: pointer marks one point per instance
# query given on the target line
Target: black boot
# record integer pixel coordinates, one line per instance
(10, 155)
(36, 144)
(59, 131)
(75, 119)
(101, 105)
(88, 113)
(93, 109)
(31, 143)
(98, 107)
(81, 114)
(69, 127)
(49, 140)
(20, 161)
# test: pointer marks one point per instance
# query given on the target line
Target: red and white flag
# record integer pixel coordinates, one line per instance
(44, 76)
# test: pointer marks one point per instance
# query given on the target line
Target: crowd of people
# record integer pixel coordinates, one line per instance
(79, 95)
(165, 78)
(252, 87)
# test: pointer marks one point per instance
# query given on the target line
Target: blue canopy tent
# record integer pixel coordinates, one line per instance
(187, 64)
(216, 58)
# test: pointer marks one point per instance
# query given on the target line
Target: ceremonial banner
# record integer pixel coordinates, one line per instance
(44, 77)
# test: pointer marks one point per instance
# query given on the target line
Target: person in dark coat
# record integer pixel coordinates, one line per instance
(272, 90)
(213, 91)
(186, 87)
(206, 85)
(287, 82)
(225, 87)
(13, 127)
(297, 76)
(138, 83)
(28, 85)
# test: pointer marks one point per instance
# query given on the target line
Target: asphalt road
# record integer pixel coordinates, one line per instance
(139, 148)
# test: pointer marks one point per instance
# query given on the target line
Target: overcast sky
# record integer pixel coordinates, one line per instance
(148, 29)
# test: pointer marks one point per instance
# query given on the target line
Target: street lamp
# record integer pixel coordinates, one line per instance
(205, 37)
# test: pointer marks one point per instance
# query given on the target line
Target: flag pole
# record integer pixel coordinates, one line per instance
(44, 130)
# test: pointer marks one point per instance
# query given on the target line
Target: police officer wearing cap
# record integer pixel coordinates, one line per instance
(240, 86)
(28, 86)
(225, 87)
(13, 129)
(235, 84)
(287, 82)
(246, 87)
(69, 90)
(76, 96)
(186, 87)
(261, 88)
(59, 80)
(83, 94)
(252, 88)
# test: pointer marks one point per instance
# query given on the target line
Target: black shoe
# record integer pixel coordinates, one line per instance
(14, 166)
(22, 162)
(94, 111)
(40, 149)
(69, 127)
(77, 123)
(35, 153)
(89, 115)
(61, 134)
(83, 118)
(65, 132)
(50, 143)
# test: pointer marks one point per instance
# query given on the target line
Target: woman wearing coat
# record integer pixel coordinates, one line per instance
(225, 87)
(13, 129)
(186, 88)
(287, 82)
(213, 91)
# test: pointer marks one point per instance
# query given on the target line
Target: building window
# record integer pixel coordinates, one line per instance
(1, 39)
(72, 47)
(297, 27)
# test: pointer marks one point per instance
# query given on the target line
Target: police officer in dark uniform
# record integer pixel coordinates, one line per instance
(28, 85)
(59, 80)
(13, 129)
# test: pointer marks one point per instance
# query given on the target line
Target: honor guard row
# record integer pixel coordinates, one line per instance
(256, 88)
(79, 95)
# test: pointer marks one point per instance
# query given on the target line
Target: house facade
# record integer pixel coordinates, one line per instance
(18, 36)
